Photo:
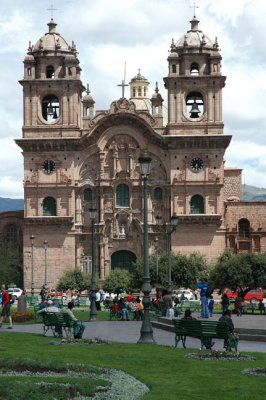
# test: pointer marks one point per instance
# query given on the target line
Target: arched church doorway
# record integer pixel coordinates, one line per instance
(123, 259)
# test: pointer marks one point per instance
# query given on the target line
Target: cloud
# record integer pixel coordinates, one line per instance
(108, 33)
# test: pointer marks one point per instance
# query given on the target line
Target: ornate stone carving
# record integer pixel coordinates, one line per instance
(122, 105)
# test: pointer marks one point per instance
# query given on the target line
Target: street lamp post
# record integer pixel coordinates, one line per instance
(93, 310)
(146, 332)
(45, 243)
(156, 240)
(169, 228)
(32, 269)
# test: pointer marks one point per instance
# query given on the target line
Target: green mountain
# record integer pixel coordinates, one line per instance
(253, 193)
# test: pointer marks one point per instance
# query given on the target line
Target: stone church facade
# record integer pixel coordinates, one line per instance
(76, 158)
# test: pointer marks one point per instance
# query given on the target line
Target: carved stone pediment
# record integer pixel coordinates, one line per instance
(122, 105)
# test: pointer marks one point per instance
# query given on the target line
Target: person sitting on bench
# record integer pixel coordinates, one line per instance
(78, 326)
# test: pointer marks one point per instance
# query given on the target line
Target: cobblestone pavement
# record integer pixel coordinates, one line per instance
(129, 332)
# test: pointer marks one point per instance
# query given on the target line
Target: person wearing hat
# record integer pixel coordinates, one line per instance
(52, 308)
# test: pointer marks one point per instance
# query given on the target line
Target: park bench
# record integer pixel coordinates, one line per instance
(205, 331)
(57, 322)
(193, 305)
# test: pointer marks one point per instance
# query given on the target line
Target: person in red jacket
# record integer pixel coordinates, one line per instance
(6, 307)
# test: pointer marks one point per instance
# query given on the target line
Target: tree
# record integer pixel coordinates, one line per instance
(74, 280)
(10, 268)
(185, 270)
(239, 270)
(117, 279)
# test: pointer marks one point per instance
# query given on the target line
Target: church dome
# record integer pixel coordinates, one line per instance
(194, 37)
(139, 77)
(51, 41)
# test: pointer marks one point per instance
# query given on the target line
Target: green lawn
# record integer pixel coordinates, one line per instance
(165, 370)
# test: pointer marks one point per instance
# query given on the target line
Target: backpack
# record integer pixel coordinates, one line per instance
(11, 299)
(208, 292)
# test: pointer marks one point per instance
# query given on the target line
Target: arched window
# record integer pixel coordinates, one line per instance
(49, 206)
(11, 234)
(139, 91)
(158, 194)
(50, 108)
(194, 105)
(174, 69)
(197, 204)
(87, 194)
(122, 195)
(194, 69)
(244, 228)
(50, 72)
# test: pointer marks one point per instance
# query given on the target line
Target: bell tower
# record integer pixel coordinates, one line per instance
(194, 85)
(52, 87)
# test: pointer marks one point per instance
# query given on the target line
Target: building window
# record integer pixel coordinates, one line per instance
(194, 69)
(11, 234)
(134, 91)
(174, 69)
(87, 194)
(139, 91)
(50, 72)
(244, 228)
(197, 204)
(29, 71)
(49, 206)
(122, 195)
(158, 194)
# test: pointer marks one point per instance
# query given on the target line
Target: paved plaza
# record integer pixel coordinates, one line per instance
(129, 332)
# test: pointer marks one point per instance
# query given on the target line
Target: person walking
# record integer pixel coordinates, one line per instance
(22, 302)
(225, 302)
(211, 305)
(6, 307)
(203, 286)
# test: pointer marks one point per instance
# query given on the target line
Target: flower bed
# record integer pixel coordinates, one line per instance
(79, 342)
(220, 355)
(255, 371)
(22, 317)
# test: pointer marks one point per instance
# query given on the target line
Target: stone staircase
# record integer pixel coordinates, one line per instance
(255, 335)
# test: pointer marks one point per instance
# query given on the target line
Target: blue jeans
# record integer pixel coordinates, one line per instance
(204, 306)
(125, 315)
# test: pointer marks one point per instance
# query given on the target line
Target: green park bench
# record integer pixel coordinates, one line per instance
(205, 331)
(193, 305)
(57, 321)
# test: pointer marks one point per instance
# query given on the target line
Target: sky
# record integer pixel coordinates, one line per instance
(110, 33)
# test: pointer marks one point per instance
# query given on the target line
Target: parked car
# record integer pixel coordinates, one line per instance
(15, 292)
(184, 294)
(252, 295)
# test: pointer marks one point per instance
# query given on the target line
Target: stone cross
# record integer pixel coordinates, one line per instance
(194, 6)
(52, 9)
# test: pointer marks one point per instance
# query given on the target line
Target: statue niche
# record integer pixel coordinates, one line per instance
(121, 156)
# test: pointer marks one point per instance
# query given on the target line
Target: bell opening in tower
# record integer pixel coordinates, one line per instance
(194, 105)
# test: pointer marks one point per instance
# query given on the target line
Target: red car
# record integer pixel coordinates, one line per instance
(251, 296)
